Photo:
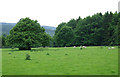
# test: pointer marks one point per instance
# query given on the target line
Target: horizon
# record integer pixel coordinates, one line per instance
(52, 13)
(16, 23)
(61, 22)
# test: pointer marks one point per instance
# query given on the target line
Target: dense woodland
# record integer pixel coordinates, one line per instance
(97, 30)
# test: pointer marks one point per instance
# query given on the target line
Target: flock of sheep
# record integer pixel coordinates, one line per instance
(81, 47)
(85, 47)
(111, 47)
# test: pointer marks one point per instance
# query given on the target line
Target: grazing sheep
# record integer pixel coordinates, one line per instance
(74, 47)
(84, 46)
(111, 47)
(65, 47)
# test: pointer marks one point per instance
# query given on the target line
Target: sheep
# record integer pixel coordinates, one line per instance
(111, 47)
(74, 47)
(84, 46)
(81, 47)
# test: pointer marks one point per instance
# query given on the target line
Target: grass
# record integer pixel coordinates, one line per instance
(61, 61)
(0, 62)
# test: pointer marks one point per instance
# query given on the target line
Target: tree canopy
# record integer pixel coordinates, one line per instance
(99, 29)
(26, 34)
(65, 36)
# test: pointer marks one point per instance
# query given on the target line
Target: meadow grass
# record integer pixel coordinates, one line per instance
(61, 61)
(0, 62)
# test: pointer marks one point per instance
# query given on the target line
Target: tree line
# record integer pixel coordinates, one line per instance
(97, 30)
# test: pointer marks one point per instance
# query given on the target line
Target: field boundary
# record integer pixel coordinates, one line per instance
(60, 76)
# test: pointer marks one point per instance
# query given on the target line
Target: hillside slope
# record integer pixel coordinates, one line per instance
(6, 27)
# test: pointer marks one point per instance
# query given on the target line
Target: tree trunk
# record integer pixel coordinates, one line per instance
(25, 48)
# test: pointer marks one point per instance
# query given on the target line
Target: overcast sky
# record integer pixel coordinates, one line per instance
(53, 12)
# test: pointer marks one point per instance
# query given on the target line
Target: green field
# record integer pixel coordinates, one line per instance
(0, 62)
(61, 61)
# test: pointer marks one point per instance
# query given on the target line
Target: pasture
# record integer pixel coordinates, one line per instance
(93, 60)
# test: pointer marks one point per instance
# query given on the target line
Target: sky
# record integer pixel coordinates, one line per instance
(53, 12)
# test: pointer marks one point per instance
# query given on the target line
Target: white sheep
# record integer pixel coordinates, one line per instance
(84, 46)
(74, 47)
(111, 47)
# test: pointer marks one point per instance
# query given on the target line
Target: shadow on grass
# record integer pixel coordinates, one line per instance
(39, 49)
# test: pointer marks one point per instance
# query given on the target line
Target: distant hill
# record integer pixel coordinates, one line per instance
(6, 27)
